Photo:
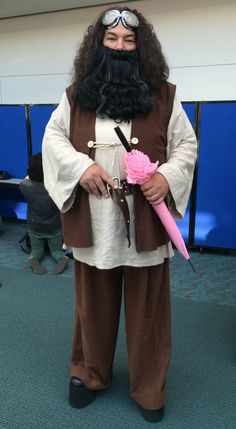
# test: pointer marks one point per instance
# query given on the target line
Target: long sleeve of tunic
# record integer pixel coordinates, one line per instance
(62, 164)
(63, 167)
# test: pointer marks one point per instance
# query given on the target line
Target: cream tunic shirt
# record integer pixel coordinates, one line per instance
(63, 167)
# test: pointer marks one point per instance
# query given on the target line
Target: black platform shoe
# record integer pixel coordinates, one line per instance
(152, 416)
(79, 395)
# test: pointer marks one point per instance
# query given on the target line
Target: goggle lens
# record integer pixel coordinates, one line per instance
(112, 18)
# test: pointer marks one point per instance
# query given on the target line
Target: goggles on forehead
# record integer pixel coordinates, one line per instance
(112, 18)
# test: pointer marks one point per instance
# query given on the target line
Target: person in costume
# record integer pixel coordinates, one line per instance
(119, 244)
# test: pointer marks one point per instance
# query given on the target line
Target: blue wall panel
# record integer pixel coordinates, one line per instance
(39, 117)
(190, 109)
(183, 225)
(13, 140)
(13, 158)
(216, 184)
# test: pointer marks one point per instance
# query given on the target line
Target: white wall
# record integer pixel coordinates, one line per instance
(198, 39)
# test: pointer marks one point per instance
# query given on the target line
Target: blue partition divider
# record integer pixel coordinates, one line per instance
(216, 180)
(39, 117)
(13, 158)
(190, 109)
(216, 184)
(13, 138)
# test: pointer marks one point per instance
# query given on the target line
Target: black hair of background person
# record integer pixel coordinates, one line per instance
(35, 169)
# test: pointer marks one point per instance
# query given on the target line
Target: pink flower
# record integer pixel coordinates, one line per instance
(138, 167)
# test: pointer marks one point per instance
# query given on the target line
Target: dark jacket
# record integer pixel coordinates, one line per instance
(42, 213)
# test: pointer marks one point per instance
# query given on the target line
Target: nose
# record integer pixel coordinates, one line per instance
(120, 45)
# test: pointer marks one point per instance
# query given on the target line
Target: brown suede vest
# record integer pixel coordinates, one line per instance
(151, 131)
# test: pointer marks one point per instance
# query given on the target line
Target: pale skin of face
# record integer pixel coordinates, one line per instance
(156, 189)
(120, 38)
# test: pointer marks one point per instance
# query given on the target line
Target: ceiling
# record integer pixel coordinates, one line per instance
(14, 8)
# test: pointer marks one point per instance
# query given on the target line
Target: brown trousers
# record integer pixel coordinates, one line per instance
(147, 319)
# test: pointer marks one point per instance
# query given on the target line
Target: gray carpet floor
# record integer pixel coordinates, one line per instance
(35, 343)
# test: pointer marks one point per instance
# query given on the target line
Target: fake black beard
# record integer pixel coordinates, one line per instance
(114, 87)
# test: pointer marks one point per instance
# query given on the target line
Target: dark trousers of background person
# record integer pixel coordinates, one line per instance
(148, 330)
(39, 240)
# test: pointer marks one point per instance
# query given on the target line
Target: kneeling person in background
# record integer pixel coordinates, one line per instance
(43, 219)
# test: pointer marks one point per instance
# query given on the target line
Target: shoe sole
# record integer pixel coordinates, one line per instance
(80, 397)
(152, 416)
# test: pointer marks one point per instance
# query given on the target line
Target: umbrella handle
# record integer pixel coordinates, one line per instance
(123, 139)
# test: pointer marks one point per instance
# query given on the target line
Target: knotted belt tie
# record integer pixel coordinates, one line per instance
(118, 196)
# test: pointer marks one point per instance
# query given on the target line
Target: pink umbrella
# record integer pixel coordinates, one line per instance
(139, 169)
